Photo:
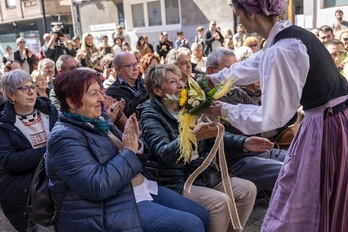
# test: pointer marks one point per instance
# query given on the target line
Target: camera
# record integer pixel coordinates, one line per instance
(58, 28)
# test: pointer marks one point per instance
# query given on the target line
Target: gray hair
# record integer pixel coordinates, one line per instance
(44, 61)
(174, 54)
(155, 75)
(61, 61)
(216, 56)
(10, 81)
(195, 46)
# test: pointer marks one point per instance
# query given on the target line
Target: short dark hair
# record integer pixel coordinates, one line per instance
(326, 28)
(73, 84)
(339, 11)
(179, 32)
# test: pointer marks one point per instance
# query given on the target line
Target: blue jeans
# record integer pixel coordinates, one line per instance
(262, 169)
(171, 212)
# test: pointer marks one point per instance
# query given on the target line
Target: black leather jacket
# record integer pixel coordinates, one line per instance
(160, 132)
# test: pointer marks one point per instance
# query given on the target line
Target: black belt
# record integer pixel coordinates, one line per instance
(337, 108)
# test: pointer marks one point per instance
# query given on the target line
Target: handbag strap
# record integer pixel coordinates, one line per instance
(218, 147)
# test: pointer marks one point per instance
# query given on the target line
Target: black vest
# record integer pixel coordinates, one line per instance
(324, 82)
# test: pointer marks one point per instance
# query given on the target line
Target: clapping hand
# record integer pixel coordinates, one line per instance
(115, 110)
(131, 134)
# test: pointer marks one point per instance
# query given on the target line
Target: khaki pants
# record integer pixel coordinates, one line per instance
(215, 201)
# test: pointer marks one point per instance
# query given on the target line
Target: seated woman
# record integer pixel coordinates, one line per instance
(160, 131)
(40, 80)
(25, 122)
(94, 169)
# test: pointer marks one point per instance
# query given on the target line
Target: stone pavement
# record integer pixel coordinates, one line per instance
(253, 224)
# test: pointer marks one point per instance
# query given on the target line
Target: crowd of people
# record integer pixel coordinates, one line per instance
(101, 117)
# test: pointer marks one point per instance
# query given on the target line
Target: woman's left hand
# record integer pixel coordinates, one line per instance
(257, 144)
(115, 110)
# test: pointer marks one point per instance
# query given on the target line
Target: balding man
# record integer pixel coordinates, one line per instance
(128, 84)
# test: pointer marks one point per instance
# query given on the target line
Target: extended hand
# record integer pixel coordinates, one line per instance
(214, 110)
(257, 144)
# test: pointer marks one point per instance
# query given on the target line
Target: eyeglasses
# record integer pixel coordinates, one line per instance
(130, 65)
(73, 67)
(345, 39)
(21, 42)
(26, 88)
(252, 45)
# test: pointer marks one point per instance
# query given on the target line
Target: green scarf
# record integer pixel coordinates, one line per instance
(99, 123)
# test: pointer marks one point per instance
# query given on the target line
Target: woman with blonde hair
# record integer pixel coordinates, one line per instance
(40, 80)
(251, 42)
(88, 47)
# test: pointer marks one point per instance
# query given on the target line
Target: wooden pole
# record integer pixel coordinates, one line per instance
(291, 11)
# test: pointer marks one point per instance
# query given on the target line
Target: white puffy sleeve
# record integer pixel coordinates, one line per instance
(282, 70)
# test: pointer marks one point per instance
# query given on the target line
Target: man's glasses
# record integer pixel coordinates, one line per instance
(73, 66)
(21, 42)
(131, 65)
(27, 88)
(252, 45)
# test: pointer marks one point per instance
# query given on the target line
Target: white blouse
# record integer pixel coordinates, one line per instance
(282, 71)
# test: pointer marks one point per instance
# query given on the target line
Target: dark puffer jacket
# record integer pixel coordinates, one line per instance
(160, 132)
(98, 178)
(18, 161)
(120, 89)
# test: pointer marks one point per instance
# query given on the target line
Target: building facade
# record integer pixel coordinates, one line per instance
(31, 19)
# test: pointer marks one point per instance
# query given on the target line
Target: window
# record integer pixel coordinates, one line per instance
(28, 3)
(154, 13)
(172, 11)
(332, 3)
(138, 15)
(10, 3)
(120, 14)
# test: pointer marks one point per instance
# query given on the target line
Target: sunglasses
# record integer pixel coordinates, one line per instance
(345, 39)
(252, 45)
(27, 88)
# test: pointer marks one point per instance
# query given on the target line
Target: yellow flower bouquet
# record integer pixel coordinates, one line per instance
(194, 98)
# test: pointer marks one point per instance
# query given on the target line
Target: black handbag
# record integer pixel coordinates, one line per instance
(40, 206)
(210, 177)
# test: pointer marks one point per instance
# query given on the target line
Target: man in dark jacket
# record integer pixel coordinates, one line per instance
(128, 84)
(24, 56)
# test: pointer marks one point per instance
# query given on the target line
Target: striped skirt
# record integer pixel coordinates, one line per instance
(311, 193)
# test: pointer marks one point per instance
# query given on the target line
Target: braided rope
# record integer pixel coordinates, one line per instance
(218, 147)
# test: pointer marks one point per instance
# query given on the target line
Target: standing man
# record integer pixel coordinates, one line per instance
(24, 56)
(212, 38)
(46, 37)
(340, 24)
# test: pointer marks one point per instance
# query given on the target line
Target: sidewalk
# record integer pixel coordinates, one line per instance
(253, 224)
